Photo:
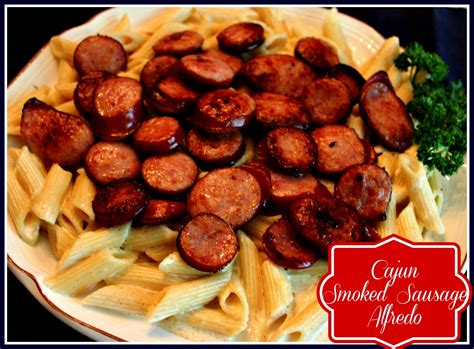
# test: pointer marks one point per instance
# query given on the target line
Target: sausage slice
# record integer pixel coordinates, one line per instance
(385, 113)
(206, 71)
(282, 74)
(161, 211)
(179, 44)
(327, 100)
(284, 247)
(263, 175)
(211, 149)
(55, 136)
(350, 77)
(156, 69)
(117, 109)
(292, 150)
(339, 148)
(119, 202)
(207, 243)
(241, 37)
(236, 63)
(316, 52)
(322, 220)
(158, 135)
(108, 161)
(84, 92)
(286, 189)
(274, 110)
(230, 193)
(223, 111)
(170, 174)
(367, 189)
(99, 53)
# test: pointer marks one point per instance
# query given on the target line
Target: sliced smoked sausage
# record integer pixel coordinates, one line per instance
(207, 243)
(119, 202)
(316, 52)
(385, 113)
(161, 211)
(173, 89)
(322, 220)
(211, 149)
(170, 174)
(327, 100)
(156, 69)
(99, 53)
(223, 111)
(285, 248)
(350, 77)
(117, 109)
(292, 150)
(232, 194)
(286, 189)
(282, 74)
(55, 136)
(274, 110)
(84, 92)
(158, 135)
(339, 148)
(263, 175)
(179, 44)
(206, 71)
(236, 63)
(108, 161)
(367, 189)
(241, 37)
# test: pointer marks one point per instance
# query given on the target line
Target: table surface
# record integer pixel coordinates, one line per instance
(424, 25)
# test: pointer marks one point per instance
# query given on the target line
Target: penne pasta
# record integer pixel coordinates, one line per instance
(62, 49)
(174, 264)
(405, 92)
(30, 172)
(232, 299)
(160, 252)
(332, 30)
(143, 238)
(60, 239)
(68, 107)
(189, 295)
(12, 157)
(128, 299)
(384, 58)
(389, 225)
(407, 225)
(83, 193)
(277, 291)
(357, 124)
(215, 320)
(66, 89)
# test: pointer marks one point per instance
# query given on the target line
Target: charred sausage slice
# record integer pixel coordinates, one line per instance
(292, 150)
(282, 74)
(230, 193)
(119, 202)
(241, 37)
(316, 52)
(211, 149)
(170, 174)
(158, 135)
(161, 211)
(322, 220)
(206, 71)
(286, 189)
(99, 53)
(236, 63)
(223, 111)
(385, 113)
(327, 100)
(179, 44)
(274, 110)
(109, 161)
(367, 189)
(207, 243)
(156, 69)
(339, 147)
(284, 247)
(55, 136)
(84, 92)
(117, 109)
(350, 77)
(263, 175)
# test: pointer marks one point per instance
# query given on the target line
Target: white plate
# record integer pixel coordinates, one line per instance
(32, 264)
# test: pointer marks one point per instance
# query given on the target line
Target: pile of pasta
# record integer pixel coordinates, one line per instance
(137, 271)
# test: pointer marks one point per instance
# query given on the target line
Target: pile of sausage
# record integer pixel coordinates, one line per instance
(145, 142)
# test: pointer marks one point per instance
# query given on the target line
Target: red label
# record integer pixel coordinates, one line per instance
(394, 292)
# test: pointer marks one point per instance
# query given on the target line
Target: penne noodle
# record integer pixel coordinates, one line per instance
(47, 203)
(66, 73)
(30, 172)
(215, 320)
(160, 252)
(407, 224)
(332, 30)
(389, 225)
(189, 295)
(60, 239)
(232, 299)
(174, 264)
(143, 238)
(62, 48)
(257, 226)
(405, 92)
(66, 89)
(68, 107)
(83, 193)
(384, 58)
(357, 124)
(277, 291)
(176, 14)
(12, 157)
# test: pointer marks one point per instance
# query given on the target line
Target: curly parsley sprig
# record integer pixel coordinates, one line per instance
(439, 108)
